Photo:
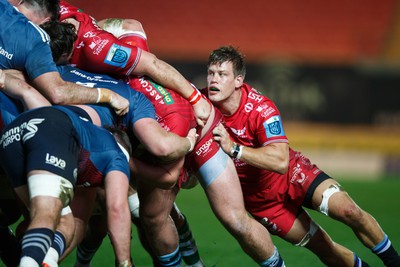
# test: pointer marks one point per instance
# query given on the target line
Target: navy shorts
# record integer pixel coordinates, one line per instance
(41, 139)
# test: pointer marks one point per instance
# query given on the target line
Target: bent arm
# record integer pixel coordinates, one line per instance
(60, 92)
(272, 157)
(19, 89)
(166, 75)
(118, 215)
(165, 145)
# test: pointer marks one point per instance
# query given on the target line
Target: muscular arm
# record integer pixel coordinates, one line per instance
(118, 215)
(165, 145)
(273, 157)
(60, 92)
(166, 75)
(19, 89)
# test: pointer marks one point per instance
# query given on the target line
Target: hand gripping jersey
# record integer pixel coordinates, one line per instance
(57, 140)
(23, 45)
(269, 196)
(96, 50)
(176, 115)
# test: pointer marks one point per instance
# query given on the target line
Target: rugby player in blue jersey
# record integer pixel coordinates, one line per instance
(25, 46)
(45, 153)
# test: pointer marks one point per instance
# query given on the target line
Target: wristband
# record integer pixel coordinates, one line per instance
(98, 95)
(194, 97)
(104, 95)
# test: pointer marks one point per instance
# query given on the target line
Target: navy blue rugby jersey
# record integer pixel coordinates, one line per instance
(100, 153)
(23, 45)
(140, 107)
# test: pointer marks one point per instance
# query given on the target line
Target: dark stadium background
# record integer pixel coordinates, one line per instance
(332, 64)
(333, 69)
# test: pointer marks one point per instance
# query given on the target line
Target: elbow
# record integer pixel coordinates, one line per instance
(117, 210)
(283, 166)
(57, 97)
(162, 150)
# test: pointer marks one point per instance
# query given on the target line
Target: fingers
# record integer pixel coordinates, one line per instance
(200, 122)
(122, 111)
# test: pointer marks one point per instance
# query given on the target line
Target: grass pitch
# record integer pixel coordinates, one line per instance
(218, 248)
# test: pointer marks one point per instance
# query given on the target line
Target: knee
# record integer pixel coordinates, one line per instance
(352, 214)
(150, 221)
(237, 224)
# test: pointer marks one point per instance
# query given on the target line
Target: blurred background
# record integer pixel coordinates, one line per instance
(332, 67)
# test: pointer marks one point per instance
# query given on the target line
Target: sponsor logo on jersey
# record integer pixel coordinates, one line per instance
(99, 47)
(298, 176)
(161, 90)
(91, 80)
(265, 110)
(55, 161)
(255, 96)
(5, 53)
(205, 147)
(156, 91)
(248, 107)
(239, 132)
(25, 131)
(80, 45)
(273, 127)
(118, 55)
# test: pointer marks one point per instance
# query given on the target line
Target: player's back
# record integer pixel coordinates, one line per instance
(23, 44)
(171, 108)
(97, 50)
(139, 105)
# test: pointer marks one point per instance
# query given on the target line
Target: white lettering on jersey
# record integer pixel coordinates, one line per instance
(204, 148)
(6, 54)
(15, 133)
(55, 161)
(255, 97)
(31, 129)
(240, 132)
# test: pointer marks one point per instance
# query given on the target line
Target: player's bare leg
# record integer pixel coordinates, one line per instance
(225, 197)
(306, 233)
(160, 230)
(332, 200)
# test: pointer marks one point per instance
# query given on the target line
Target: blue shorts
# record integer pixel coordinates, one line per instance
(41, 139)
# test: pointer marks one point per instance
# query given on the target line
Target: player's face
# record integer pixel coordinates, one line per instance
(221, 82)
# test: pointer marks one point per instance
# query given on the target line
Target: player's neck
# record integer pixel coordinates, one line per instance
(232, 103)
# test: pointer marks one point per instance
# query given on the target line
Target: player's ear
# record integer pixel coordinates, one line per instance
(239, 81)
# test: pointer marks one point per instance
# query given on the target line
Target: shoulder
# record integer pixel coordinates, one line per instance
(258, 106)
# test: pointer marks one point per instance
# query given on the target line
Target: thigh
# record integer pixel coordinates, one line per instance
(155, 202)
(225, 195)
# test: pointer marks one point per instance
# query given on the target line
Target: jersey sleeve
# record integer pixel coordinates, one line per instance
(141, 108)
(269, 127)
(104, 53)
(117, 162)
(39, 60)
